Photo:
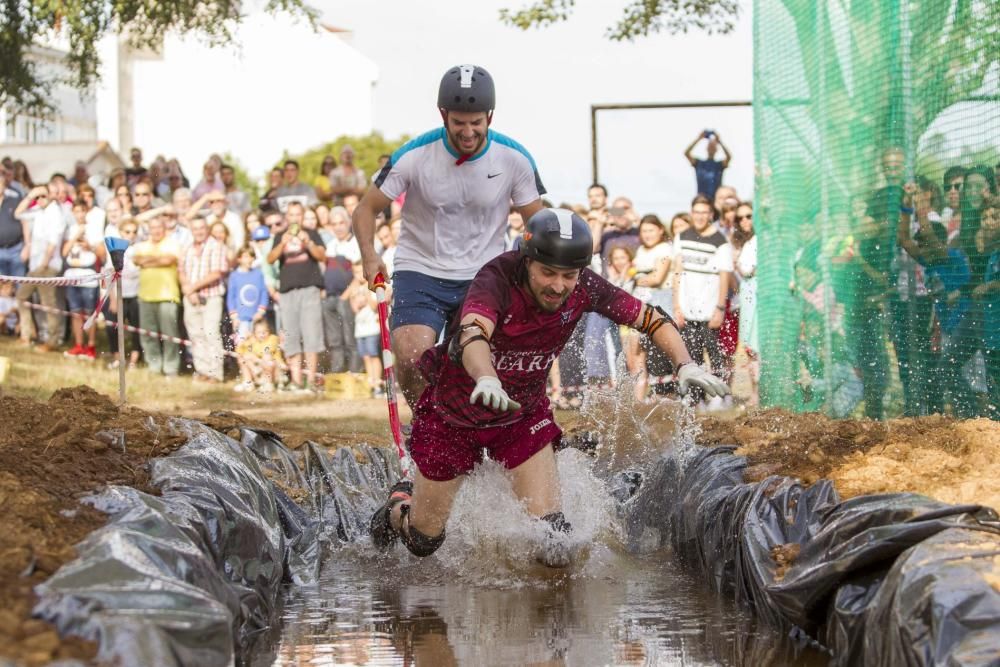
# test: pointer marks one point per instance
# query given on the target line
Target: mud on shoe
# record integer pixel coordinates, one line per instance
(383, 534)
(554, 551)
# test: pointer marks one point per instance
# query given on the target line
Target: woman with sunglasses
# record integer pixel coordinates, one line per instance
(745, 262)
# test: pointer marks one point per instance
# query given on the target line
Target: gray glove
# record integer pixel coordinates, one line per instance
(693, 374)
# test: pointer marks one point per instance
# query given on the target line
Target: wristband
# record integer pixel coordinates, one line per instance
(906, 210)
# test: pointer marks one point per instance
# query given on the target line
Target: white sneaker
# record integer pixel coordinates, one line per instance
(265, 388)
(243, 387)
(715, 404)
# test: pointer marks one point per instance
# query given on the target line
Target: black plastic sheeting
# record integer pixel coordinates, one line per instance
(893, 579)
(194, 576)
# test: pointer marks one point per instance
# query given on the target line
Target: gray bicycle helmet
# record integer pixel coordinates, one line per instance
(467, 88)
(559, 238)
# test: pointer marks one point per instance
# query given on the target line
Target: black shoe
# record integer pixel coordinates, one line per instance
(383, 534)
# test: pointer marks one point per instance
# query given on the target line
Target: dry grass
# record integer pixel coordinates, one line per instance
(35, 375)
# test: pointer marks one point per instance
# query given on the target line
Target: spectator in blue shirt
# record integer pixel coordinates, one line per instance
(708, 173)
(246, 295)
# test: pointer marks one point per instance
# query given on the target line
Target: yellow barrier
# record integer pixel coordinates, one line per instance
(346, 385)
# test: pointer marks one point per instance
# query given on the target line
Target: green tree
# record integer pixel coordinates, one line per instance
(26, 25)
(639, 18)
(367, 150)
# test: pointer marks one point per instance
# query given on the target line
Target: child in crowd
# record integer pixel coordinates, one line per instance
(128, 230)
(9, 324)
(366, 328)
(220, 233)
(247, 298)
(260, 360)
(83, 250)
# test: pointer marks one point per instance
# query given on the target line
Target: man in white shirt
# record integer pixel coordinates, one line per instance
(704, 262)
(48, 225)
(342, 252)
(460, 180)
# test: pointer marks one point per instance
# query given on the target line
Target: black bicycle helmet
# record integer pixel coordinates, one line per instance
(467, 88)
(558, 237)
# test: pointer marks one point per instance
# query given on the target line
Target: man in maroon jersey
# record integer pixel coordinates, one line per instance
(486, 383)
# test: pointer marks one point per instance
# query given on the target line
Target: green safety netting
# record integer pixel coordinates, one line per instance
(862, 313)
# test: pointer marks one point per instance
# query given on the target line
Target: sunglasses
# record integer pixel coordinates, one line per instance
(954, 186)
(748, 216)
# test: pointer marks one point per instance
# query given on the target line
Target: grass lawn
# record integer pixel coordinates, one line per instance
(36, 375)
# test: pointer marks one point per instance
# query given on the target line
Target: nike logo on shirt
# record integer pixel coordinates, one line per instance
(493, 175)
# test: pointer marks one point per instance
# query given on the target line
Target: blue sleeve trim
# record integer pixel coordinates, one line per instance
(424, 139)
(504, 140)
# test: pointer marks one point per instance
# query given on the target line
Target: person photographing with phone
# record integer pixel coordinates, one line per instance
(299, 252)
(708, 173)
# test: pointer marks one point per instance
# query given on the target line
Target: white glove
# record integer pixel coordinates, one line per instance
(693, 374)
(489, 392)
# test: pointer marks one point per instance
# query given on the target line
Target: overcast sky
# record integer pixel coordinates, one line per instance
(546, 81)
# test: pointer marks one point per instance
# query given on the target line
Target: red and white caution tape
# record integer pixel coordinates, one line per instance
(147, 332)
(58, 281)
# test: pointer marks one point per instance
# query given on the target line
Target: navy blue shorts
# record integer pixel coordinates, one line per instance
(369, 346)
(421, 299)
(81, 299)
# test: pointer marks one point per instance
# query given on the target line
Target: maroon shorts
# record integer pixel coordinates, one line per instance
(443, 451)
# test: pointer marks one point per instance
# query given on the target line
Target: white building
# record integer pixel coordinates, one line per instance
(282, 86)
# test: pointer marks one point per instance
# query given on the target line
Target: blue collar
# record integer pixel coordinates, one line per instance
(455, 154)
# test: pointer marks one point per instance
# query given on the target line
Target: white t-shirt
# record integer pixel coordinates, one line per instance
(700, 260)
(389, 259)
(348, 249)
(456, 214)
(366, 323)
(648, 260)
(47, 228)
(84, 262)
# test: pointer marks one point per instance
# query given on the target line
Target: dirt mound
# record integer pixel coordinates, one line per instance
(954, 461)
(52, 454)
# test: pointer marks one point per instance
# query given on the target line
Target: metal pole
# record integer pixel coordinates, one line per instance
(594, 108)
(593, 144)
(120, 299)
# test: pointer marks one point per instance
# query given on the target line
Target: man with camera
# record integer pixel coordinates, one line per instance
(299, 252)
(708, 173)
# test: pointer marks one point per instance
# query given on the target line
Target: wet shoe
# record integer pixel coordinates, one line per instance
(383, 534)
(554, 550)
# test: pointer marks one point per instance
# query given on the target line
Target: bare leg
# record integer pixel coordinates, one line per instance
(409, 342)
(430, 505)
(295, 365)
(312, 365)
(536, 482)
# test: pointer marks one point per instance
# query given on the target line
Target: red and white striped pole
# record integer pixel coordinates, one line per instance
(390, 376)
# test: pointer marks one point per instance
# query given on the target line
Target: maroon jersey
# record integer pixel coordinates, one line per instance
(526, 339)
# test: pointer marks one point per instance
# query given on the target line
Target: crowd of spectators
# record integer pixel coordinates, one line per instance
(699, 266)
(268, 294)
(273, 294)
(911, 288)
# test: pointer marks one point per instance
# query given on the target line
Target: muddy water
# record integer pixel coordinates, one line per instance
(482, 600)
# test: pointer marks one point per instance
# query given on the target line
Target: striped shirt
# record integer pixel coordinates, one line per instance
(199, 260)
